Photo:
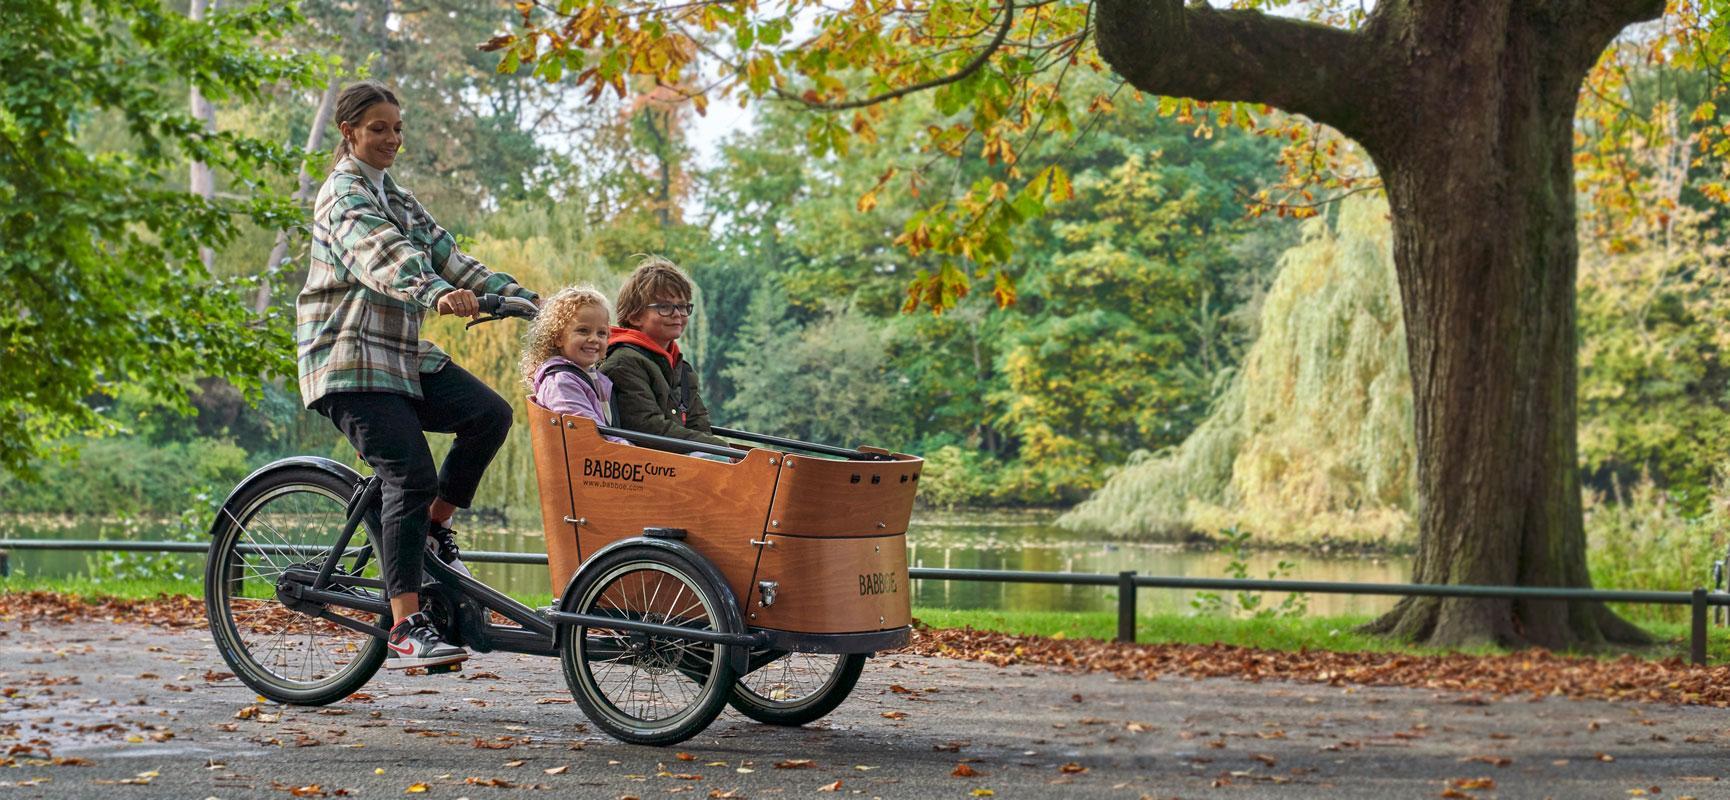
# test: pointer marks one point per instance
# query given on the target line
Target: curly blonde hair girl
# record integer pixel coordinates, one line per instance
(556, 314)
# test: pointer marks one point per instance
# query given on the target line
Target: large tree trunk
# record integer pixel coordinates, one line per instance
(1482, 193)
(1467, 108)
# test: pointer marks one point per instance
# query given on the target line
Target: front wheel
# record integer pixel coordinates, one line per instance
(638, 687)
(797, 688)
(285, 521)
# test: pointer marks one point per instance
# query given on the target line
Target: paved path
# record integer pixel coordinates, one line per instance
(134, 702)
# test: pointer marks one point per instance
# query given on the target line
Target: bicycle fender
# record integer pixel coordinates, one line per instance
(336, 468)
(729, 609)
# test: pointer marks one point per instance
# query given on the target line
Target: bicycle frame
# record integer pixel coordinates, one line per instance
(304, 590)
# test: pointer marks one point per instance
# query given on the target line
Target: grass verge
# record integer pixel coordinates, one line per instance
(1337, 634)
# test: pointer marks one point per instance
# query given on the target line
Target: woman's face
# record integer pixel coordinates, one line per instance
(585, 340)
(377, 136)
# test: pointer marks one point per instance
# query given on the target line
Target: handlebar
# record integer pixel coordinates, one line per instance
(498, 306)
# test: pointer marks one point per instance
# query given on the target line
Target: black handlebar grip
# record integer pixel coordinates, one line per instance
(489, 303)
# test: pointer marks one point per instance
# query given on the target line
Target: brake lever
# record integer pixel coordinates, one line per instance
(479, 320)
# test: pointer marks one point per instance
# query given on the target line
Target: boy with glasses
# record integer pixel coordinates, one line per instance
(655, 387)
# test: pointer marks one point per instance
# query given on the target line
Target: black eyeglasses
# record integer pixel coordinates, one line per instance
(669, 309)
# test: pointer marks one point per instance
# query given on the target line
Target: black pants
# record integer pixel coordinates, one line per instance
(388, 429)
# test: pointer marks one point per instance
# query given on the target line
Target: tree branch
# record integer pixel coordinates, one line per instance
(1163, 47)
(971, 67)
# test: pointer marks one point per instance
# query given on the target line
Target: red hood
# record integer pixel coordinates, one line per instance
(636, 337)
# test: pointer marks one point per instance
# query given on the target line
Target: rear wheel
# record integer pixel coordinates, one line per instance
(638, 687)
(797, 688)
(286, 521)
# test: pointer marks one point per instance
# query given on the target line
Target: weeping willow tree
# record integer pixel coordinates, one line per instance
(1312, 439)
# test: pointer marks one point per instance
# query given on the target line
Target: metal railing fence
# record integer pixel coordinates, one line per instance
(1699, 600)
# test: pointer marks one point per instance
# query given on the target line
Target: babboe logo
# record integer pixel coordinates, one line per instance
(877, 583)
(608, 469)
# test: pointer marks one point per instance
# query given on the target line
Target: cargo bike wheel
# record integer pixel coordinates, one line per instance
(796, 688)
(286, 521)
(640, 687)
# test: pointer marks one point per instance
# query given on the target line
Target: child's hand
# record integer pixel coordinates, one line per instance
(461, 303)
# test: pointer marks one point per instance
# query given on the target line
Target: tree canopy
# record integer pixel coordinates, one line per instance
(104, 285)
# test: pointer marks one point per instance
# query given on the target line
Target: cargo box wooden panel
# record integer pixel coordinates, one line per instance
(617, 490)
(824, 497)
(832, 585)
(546, 434)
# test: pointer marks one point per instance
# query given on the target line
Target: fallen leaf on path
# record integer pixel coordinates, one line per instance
(1499, 761)
(1072, 768)
(964, 771)
(894, 715)
(557, 770)
(415, 788)
(795, 763)
(830, 787)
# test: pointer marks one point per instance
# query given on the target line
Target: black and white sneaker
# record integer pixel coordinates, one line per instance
(414, 642)
(441, 543)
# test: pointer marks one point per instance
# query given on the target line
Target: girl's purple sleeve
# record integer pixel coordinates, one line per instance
(567, 394)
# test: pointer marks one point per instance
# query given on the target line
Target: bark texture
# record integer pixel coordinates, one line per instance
(1467, 108)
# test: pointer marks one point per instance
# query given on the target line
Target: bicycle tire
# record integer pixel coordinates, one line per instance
(631, 582)
(795, 709)
(295, 507)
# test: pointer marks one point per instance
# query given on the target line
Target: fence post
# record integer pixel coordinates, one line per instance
(1126, 606)
(1697, 637)
(5, 564)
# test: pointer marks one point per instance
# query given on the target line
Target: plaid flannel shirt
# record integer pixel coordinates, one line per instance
(374, 272)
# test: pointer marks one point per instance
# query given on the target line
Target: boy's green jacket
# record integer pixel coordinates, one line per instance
(653, 395)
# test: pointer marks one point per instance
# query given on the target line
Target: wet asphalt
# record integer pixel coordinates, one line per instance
(141, 712)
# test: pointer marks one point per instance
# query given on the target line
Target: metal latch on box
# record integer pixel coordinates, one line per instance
(766, 592)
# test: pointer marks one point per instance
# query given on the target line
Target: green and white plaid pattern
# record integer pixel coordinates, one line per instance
(374, 272)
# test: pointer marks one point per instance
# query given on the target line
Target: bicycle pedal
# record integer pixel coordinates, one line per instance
(444, 668)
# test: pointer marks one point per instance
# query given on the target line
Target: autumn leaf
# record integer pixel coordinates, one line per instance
(416, 788)
(1072, 768)
(557, 770)
(983, 793)
(830, 787)
(795, 763)
(894, 715)
(964, 771)
(1498, 761)
(684, 756)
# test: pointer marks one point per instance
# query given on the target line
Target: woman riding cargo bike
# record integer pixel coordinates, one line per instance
(762, 578)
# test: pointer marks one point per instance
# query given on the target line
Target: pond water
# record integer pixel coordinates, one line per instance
(972, 540)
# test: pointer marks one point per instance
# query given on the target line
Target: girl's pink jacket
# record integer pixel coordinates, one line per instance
(569, 394)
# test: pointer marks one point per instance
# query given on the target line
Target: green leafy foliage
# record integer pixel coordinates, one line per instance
(104, 283)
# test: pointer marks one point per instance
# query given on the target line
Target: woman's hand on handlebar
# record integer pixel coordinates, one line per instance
(461, 303)
(495, 306)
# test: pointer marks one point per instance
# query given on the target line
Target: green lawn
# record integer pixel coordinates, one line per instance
(1313, 633)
